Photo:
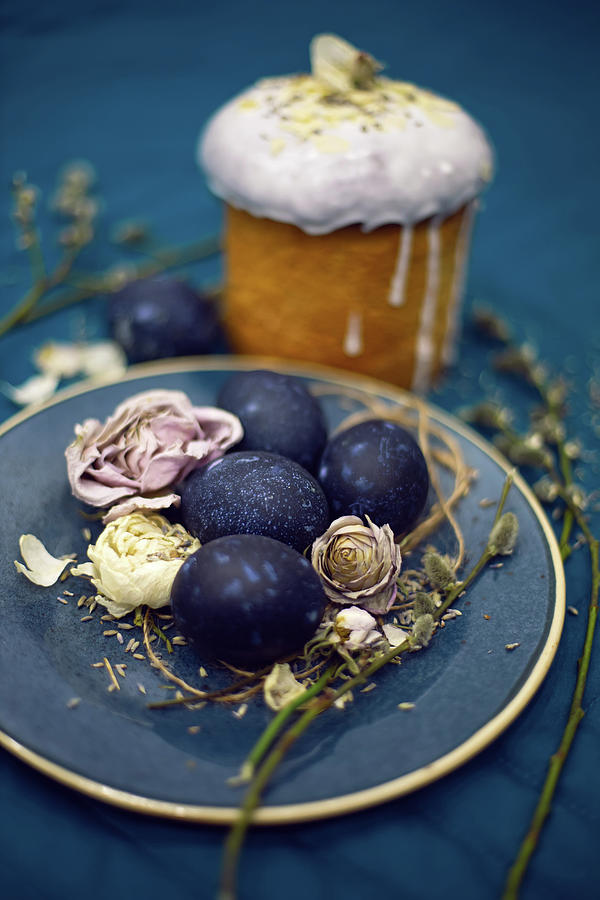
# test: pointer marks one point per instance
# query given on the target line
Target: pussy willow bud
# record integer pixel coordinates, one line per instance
(524, 452)
(437, 570)
(491, 325)
(488, 415)
(423, 630)
(577, 496)
(424, 604)
(504, 535)
(546, 489)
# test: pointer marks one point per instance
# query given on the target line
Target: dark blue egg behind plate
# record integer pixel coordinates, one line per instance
(113, 747)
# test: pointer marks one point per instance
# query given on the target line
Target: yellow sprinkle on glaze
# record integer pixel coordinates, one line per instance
(310, 110)
(277, 145)
(330, 143)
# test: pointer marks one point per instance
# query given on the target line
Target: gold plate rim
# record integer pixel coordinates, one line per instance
(358, 800)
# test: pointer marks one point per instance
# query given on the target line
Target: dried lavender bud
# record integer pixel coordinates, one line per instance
(437, 570)
(423, 630)
(424, 604)
(503, 536)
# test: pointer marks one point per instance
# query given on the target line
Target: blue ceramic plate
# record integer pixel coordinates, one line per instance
(466, 686)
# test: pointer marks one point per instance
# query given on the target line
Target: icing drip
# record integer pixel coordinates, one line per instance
(396, 295)
(353, 342)
(458, 284)
(424, 346)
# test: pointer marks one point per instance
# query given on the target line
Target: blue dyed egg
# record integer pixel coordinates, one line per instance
(248, 600)
(250, 492)
(278, 413)
(375, 468)
(158, 317)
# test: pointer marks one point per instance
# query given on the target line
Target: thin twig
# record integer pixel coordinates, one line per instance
(29, 308)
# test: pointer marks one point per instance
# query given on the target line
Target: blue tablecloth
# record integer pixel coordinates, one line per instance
(128, 85)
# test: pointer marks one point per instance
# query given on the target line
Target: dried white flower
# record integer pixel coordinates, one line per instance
(135, 560)
(36, 389)
(66, 360)
(357, 628)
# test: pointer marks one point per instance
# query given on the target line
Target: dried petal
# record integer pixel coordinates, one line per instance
(341, 66)
(40, 566)
(104, 358)
(36, 389)
(394, 635)
(59, 359)
(141, 504)
(280, 687)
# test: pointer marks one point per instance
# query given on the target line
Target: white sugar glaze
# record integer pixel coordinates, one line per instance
(425, 345)
(292, 150)
(396, 295)
(353, 340)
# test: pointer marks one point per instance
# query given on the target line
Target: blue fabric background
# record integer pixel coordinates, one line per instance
(128, 85)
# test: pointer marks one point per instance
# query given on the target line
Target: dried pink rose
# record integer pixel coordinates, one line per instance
(152, 441)
(358, 563)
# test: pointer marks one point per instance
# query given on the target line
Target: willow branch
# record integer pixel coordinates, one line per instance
(576, 713)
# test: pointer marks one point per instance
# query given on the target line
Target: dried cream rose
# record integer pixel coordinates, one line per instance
(135, 560)
(358, 563)
(152, 441)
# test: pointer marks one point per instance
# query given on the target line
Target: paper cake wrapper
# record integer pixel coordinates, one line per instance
(385, 303)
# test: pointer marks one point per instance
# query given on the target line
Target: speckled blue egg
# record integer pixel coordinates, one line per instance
(375, 468)
(248, 600)
(278, 413)
(252, 492)
(158, 317)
